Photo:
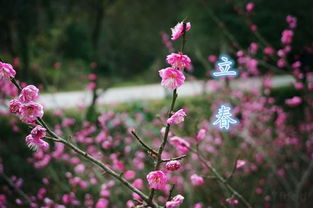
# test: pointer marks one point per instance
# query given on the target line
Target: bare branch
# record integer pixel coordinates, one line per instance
(149, 149)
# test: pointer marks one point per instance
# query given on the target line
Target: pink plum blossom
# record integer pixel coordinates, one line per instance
(177, 31)
(268, 51)
(177, 117)
(201, 134)
(180, 144)
(281, 63)
(175, 202)
(171, 77)
(38, 132)
(250, 6)
(253, 48)
(196, 180)
(30, 112)
(178, 60)
(292, 21)
(287, 36)
(232, 201)
(173, 165)
(157, 179)
(293, 101)
(102, 203)
(14, 106)
(29, 93)
(92, 77)
(130, 174)
(212, 58)
(80, 168)
(6, 71)
(36, 144)
(240, 163)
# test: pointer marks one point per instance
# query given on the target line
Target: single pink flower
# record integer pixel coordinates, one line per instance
(36, 144)
(171, 77)
(138, 183)
(198, 205)
(178, 60)
(201, 134)
(196, 180)
(176, 201)
(173, 165)
(177, 117)
(6, 71)
(102, 203)
(177, 31)
(38, 132)
(212, 58)
(157, 179)
(250, 6)
(80, 168)
(180, 144)
(240, 163)
(296, 64)
(30, 112)
(269, 51)
(29, 93)
(57, 65)
(293, 101)
(15, 106)
(253, 48)
(92, 77)
(281, 63)
(232, 201)
(287, 36)
(292, 21)
(129, 174)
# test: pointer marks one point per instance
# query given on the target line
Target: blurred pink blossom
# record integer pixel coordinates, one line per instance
(177, 117)
(177, 31)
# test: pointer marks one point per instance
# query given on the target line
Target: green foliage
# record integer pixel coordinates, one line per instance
(124, 38)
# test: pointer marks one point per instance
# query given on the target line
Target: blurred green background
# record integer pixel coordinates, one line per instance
(124, 37)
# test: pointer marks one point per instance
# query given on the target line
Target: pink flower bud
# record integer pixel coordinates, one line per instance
(175, 201)
(173, 165)
(196, 180)
(201, 134)
(177, 31)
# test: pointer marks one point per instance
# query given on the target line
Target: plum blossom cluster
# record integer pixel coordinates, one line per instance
(173, 77)
(28, 110)
(25, 106)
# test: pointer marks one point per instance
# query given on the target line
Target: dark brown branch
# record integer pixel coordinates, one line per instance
(149, 149)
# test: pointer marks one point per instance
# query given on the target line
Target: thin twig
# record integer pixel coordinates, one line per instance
(234, 169)
(143, 144)
(222, 180)
(171, 193)
(174, 158)
(16, 189)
